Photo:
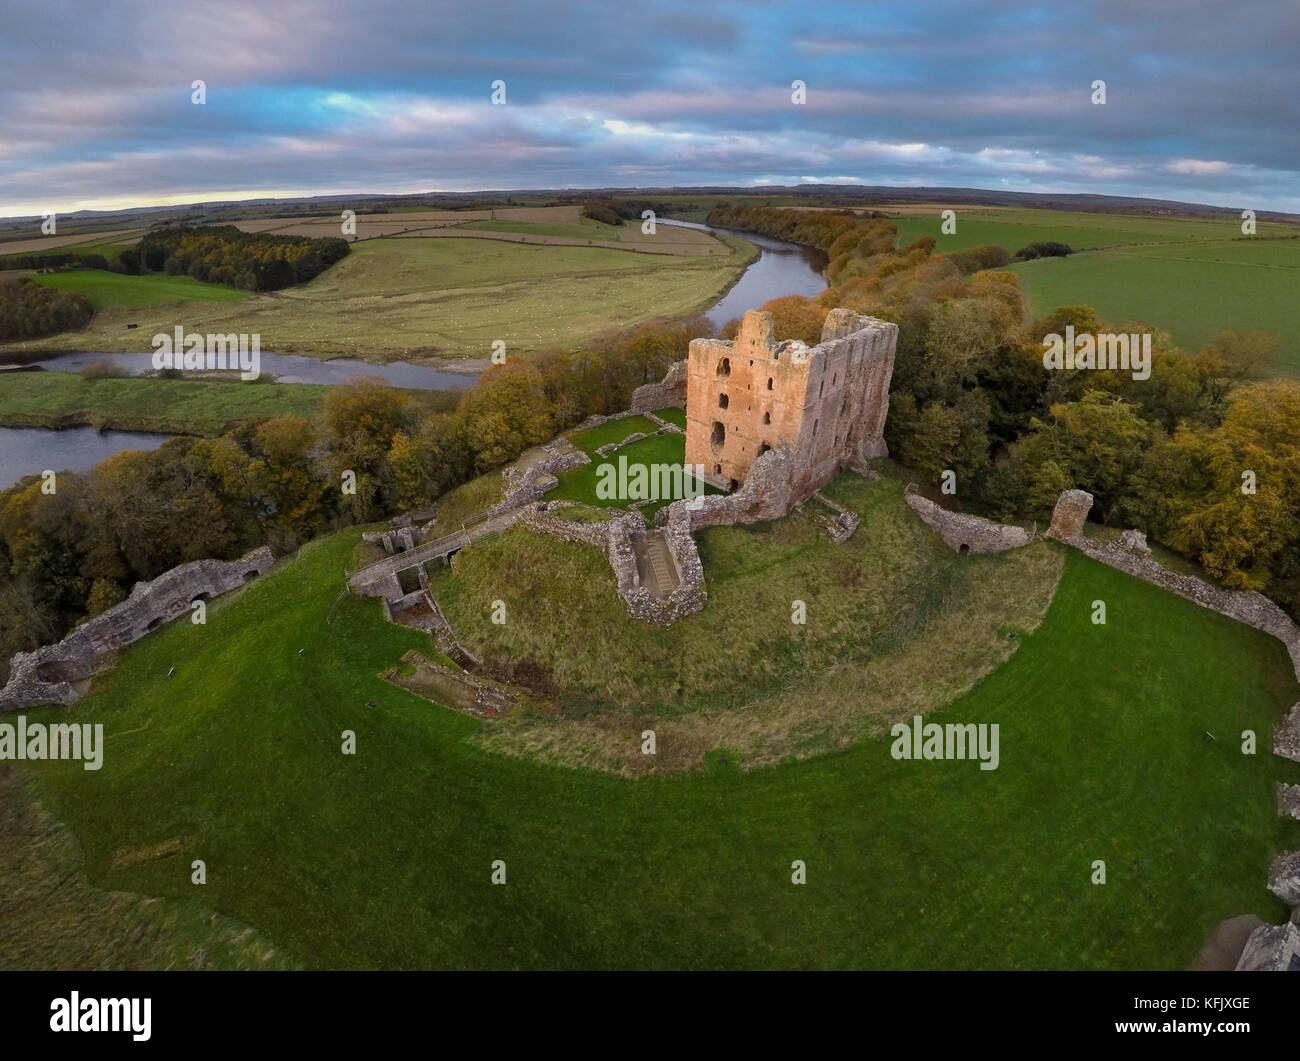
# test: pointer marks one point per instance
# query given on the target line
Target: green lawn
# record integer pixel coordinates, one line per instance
(202, 407)
(382, 859)
(1192, 290)
(579, 484)
(115, 291)
(612, 431)
(673, 416)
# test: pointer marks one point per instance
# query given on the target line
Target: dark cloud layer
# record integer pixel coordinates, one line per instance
(333, 96)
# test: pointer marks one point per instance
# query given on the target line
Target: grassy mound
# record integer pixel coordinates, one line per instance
(742, 674)
(383, 858)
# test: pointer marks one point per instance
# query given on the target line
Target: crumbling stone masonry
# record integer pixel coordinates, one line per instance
(825, 405)
(1272, 949)
(1286, 738)
(1284, 878)
(1288, 800)
(668, 393)
(60, 673)
(964, 533)
(1069, 516)
(620, 538)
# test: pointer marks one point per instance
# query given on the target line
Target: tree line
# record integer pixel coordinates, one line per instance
(69, 555)
(223, 254)
(30, 311)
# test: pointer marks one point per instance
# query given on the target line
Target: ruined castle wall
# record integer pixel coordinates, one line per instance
(545, 522)
(963, 532)
(50, 674)
(1130, 555)
(669, 392)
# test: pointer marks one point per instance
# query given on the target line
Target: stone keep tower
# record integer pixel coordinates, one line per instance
(827, 404)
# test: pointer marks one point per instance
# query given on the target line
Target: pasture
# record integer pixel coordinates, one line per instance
(1015, 227)
(116, 291)
(1191, 290)
(393, 299)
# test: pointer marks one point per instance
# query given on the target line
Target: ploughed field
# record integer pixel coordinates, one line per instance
(384, 858)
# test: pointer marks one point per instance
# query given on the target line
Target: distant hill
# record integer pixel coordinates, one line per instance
(827, 195)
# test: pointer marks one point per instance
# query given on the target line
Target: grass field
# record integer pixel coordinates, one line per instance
(582, 228)
(1016, 227)
(398, 298)
(382, 859)
(199, 407)
(113, 291)
(1191, 290)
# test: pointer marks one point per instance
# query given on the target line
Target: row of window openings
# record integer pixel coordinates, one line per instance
(724, 369)
(719, 437)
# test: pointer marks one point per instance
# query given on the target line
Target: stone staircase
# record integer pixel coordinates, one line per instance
(655, 565)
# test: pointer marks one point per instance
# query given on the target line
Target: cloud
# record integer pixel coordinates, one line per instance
(317, 96)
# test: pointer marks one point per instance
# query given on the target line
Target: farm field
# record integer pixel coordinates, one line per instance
(1015, 227)
(1192, 290)
(400, 298)
(70, 241)
(112, 291)
(982, 869)
(561, 226)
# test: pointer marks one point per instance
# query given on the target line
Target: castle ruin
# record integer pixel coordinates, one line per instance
(826, 404)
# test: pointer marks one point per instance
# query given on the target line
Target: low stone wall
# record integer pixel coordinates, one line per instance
(689, 596)
(1286, 738)
(1245, 606)
(1271, 949)
(541, 518)
(610, 447)
(521, 488)
(669, 392)
(54, 674)
(965, 533)
(616, 538)
(1129, 554)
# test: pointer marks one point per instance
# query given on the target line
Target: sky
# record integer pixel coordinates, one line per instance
(393, 96)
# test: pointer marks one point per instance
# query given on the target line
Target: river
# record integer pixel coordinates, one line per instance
(32, 450)
(782, 269)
